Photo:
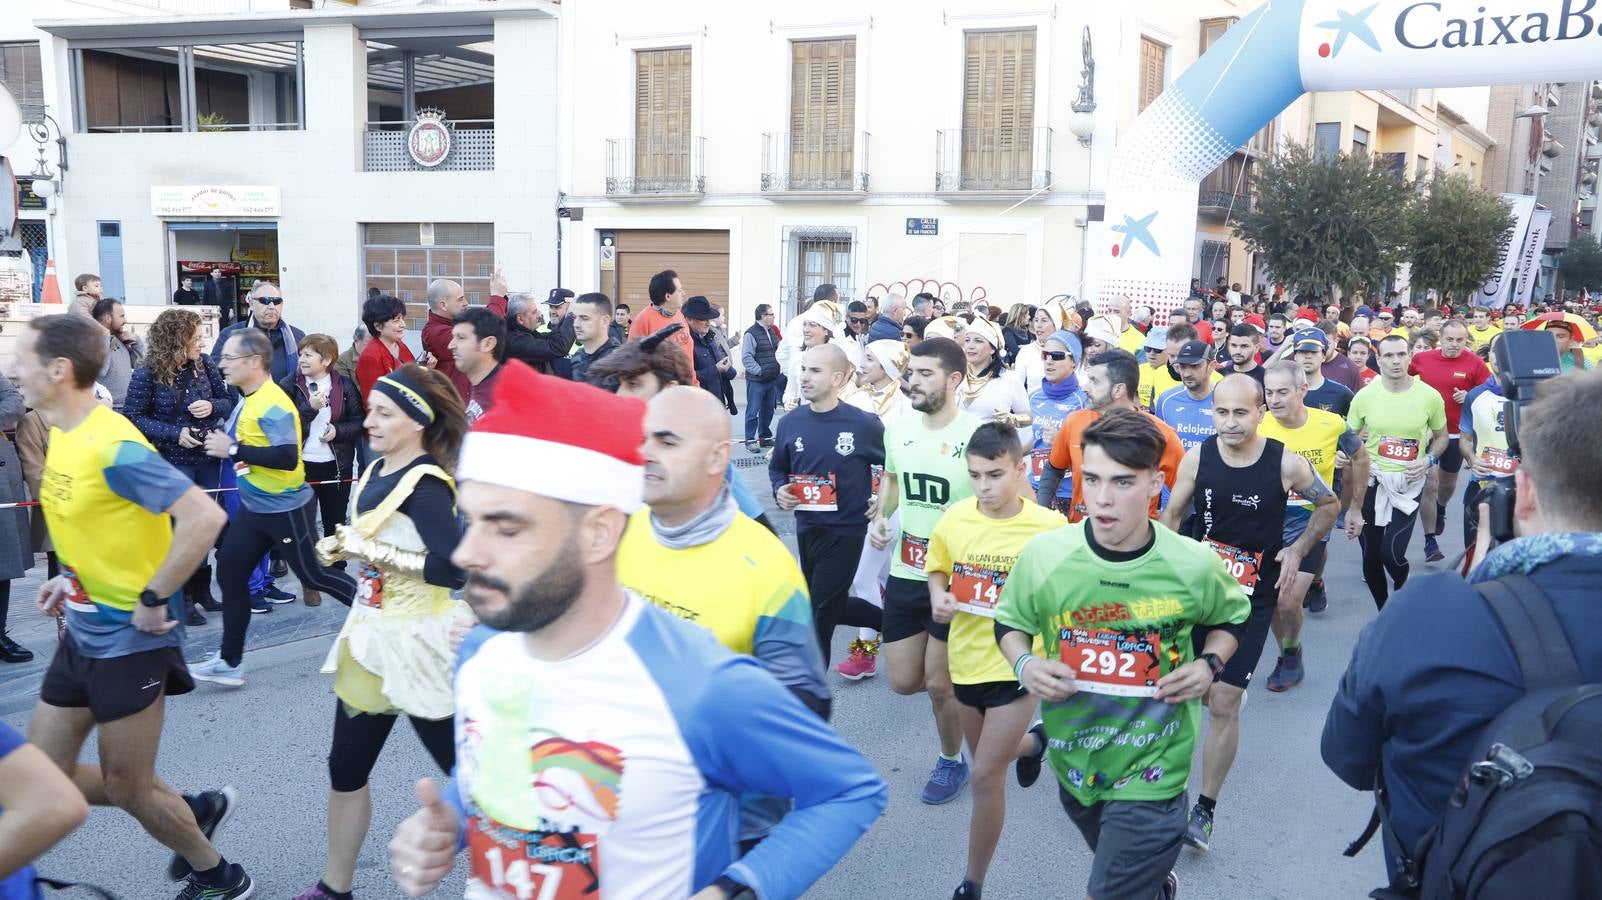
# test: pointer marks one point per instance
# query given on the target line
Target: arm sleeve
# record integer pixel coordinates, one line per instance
(432, 508)
(349, 426)
(752, 736)
(748, 358)
(367, 371)
(1348, 443)
(138, 406)
(139, 475)
(874, 432)
(303, 409)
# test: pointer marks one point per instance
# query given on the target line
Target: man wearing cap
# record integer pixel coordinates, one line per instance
(651, 706)
(1156, 377)
(446, 300)
(1244, 343)
(711, 360)
(1310, 349)
(1188, 409)
(1058, 397)
(1383, 324)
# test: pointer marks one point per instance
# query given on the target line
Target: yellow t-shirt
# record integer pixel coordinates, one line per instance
(977, 552)
(1481, 338)
(1316, 441)
(1154, 383)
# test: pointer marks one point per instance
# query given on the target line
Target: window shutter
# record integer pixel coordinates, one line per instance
(662, 113)
(998, 103)
(823, 86)
(1153, 60)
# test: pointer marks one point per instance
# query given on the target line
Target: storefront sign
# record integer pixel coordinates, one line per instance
(26, 198)
(215, 200)
(923, 226)
(429, 141)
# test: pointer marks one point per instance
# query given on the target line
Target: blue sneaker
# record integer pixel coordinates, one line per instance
(946, 781)
(276, 596)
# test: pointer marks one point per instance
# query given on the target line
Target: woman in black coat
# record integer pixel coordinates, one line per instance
(331, 413)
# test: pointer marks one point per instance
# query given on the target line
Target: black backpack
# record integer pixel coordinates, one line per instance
(1526, 818)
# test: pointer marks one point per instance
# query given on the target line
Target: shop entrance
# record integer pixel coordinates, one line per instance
(239, 252)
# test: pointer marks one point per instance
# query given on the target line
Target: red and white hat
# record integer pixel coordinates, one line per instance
(559, 439)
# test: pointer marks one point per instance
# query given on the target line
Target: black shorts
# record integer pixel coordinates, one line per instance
(1252, 636)
(1452, 457)
(907, 611)
(988, 694)
(117, 687)
(1313, 562)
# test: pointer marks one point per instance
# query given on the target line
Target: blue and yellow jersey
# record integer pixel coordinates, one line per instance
(105, 492)
(267, 418)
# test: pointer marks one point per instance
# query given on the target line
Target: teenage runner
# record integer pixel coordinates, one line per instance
(129, 529)
(1188, 409)
(1236, 485)
(1404, 424)
(1452, 370)
(1058, 397)
(1115, 599)
(601, 743)
(973, 547)
(926, 474)
(1321, 438)
(1482, 330)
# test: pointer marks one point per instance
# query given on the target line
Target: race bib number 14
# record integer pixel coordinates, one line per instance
(976, 589)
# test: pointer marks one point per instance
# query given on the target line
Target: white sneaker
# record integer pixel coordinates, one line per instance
(213, 669)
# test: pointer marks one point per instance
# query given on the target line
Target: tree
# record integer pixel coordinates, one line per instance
(1581, 263)
(1457, 234)
(1322, 221)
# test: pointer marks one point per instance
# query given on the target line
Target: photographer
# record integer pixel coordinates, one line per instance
(1436, 667)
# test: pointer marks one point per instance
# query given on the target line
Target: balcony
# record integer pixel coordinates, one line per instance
(665, 167)
(472, 147)
(1226, 192)
(808, 162)
(992, 160)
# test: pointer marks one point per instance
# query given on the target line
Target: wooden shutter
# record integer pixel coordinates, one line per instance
(823, 116)
(998, 103)
(662, 113)
(1153, 63)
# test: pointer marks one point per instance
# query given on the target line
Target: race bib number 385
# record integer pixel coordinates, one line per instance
(1398, 449)
(1123, 664)
(509, 865)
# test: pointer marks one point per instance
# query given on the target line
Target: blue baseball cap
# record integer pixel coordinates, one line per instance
(1310, 339)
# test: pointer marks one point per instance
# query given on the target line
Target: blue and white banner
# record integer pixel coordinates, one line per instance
(1530, 254)
(1493, 292)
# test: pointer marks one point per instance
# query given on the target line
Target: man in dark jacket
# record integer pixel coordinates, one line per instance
(712, 363)
(267, 313)
(592, 328)
(759, 355)
(887, 327)
(545, 349)
(1436, 667)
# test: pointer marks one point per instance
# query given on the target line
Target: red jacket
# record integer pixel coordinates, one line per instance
(437, 340)
(376, 362)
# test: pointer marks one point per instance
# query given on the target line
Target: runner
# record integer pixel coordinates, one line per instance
(1452, 371)
(1188, 409)
(1236, 484)
(990, 391)
(1059, 397)
(1111, 382)
(1358, 351)
(107, 497)
(1311, 349)
(1403, 421)
(1482, 330)
(973, 547)
(393, 656)
(1483, 443)
(927, 473)
(1156, 376)
(1322, 438)
(1245, 342)
(821, 469)
(601, 743)
(1115, 600)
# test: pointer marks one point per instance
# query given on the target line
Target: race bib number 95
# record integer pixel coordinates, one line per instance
(1112, 662)
(817, 493)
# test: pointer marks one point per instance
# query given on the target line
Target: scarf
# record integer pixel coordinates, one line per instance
(972, 386)
(1524, 555)
(1062, 390)
(703, 529)
(884, 399)
(336, 394)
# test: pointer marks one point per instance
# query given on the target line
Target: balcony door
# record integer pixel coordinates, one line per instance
(823, 90)
(661, 117)
(998, 109)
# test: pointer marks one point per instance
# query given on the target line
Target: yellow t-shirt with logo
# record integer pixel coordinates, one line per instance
(1316, 441)
(977, 552)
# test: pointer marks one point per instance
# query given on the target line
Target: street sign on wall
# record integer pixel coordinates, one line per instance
(923, 226)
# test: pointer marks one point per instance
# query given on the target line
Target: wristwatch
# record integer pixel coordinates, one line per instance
(148, 597)
(233, 449)
(734, 889)
(1214, 663)
(1434, 460)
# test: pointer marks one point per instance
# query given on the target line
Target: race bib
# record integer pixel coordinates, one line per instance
(1112, 662)
(876, 473)
(913, 551)
(976, 588)
(1037, 461)
(817, 493)
(241, 469)
(507, 863)
(1498, 460)
(76, 595)
(1398, 449)
(370, 587)
(1242, 565)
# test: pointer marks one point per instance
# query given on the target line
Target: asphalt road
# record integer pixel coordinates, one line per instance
(1282, 822)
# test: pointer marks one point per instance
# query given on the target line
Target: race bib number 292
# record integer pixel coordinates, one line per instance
(1122, 664)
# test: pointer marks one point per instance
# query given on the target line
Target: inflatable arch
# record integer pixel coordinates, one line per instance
(1286, 48)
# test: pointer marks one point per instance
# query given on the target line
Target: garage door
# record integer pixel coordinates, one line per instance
(700, 257)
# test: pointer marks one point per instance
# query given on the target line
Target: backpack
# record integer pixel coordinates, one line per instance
(1526, 818)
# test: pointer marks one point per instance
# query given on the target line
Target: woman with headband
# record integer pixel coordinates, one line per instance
(989, 391)
(394, 655)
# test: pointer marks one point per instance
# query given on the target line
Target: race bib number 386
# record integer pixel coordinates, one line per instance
(507, 865)
(1123, 664)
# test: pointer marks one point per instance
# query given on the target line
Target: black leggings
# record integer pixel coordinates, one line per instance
(1385, 548)
(358, 740)
(331, 498)
(248, 537)
(5, 603)
(829, 562)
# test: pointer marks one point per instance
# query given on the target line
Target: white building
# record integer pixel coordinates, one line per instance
(275, 145)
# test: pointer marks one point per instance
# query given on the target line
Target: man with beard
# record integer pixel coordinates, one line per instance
(588, 693)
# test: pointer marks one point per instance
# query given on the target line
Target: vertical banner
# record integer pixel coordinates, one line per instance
(1493, 291)
(1530, 255)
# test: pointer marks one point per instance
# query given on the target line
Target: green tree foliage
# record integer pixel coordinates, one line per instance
(1457, 235)
(1321, 221)
(1581, 263)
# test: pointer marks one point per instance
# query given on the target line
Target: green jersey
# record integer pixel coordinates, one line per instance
(1399, 425)
(931, 468)
(1120, 626)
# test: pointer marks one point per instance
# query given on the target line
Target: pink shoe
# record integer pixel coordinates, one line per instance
(861, 663)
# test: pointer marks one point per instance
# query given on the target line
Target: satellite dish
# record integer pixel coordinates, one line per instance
(10, 118)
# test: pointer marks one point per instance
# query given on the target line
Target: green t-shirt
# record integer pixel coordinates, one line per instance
(1399, 425)
(932, 469)
(1121, 626)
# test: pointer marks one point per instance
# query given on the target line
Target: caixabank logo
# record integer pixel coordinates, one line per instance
(1347, 25)
(1443, 24)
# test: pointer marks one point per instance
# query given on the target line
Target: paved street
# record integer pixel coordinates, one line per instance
(1282, 822)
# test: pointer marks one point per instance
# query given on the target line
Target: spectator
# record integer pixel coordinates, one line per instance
(215, 293)
(87, 287)
(346, 364)
(712, 364)
(594, 330)
(621, 317)
(186, 295)
(446, 300)
(266, 304)
(667, 295)
(758, 354)
(16, 540)
(122, 352)
(887, 326)
(330, 409)
(385, 318)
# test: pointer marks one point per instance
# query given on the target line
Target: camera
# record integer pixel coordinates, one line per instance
(1522, 360)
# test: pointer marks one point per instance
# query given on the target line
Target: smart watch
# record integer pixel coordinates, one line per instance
(1214, 663)
(148, 597)
(1434, 460)
(233, 449)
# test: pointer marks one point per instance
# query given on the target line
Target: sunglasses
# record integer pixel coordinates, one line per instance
(270, 301)
(857, 321)
(1056, 355)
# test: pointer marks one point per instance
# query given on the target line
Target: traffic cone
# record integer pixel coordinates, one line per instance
(50, 292)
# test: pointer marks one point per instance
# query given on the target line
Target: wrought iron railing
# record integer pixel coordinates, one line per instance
(993, 159)
(668, 164)
(829, 160)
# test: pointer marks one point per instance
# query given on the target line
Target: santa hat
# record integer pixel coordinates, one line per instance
(559, 439)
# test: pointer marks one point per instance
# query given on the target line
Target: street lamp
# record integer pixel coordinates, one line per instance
(1083, 122)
